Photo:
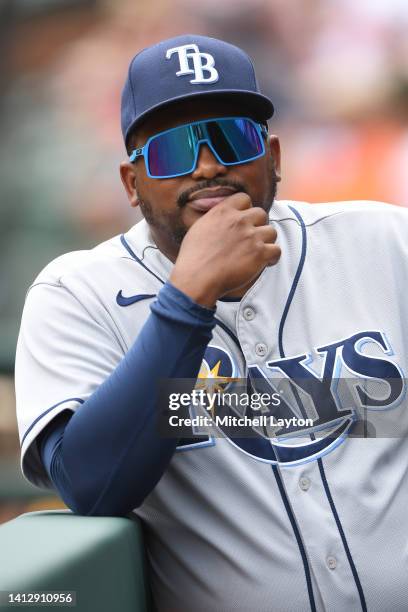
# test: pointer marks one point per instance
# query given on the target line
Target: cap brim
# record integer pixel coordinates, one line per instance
(259, 105)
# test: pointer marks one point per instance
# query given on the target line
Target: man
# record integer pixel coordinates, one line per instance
(221, 283)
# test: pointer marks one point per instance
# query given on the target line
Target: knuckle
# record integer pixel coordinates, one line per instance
(256, 217)
(273, 233)
(240, 221)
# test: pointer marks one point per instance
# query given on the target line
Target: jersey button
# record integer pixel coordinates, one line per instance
(249, 313)
(304, 483)
(331, 563)
(261, 349)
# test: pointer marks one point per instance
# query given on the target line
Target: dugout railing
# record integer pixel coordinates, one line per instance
(101, 559)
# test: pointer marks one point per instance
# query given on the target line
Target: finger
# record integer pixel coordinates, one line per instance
(271, 253)
(256, 215)
(266, 233)
(239, 201)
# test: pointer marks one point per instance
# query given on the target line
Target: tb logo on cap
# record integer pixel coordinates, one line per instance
(192, 52)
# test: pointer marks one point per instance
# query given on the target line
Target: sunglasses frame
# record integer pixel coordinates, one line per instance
(143, 151)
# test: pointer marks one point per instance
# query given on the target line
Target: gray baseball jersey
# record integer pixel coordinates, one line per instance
(314, 523)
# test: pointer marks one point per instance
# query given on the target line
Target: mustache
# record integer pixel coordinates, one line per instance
(185, 195)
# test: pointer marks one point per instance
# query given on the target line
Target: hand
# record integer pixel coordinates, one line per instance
(224, 250)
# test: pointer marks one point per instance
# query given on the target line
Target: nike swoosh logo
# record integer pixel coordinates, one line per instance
(121, 300)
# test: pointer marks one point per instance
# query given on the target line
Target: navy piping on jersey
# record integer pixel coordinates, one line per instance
(319, 461)
(289, 302)
(139, 261)
(70, 399)
(295, 280)
(298, 537)
(275, 470)
(229, 333)
(343, 536)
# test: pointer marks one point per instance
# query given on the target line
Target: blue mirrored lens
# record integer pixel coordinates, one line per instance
(172, 153)
(234, 140)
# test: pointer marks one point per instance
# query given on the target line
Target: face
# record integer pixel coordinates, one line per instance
(165, 203)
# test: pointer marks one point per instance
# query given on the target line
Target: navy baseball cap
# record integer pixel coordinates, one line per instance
(185, 67)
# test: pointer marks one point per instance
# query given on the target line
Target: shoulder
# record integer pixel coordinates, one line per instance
(110, 261)
(355, 215)
(318, 210)
(76, 262)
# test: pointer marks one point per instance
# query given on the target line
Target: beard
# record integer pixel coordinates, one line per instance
(171, 225)
(168, 224)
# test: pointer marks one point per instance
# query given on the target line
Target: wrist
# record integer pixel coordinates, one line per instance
(199, 292)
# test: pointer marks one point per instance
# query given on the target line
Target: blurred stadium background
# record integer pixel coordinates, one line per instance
(337, 71)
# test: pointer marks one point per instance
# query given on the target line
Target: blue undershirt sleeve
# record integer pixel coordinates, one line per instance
(105, 458)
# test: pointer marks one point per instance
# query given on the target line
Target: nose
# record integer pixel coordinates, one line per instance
(208, 165)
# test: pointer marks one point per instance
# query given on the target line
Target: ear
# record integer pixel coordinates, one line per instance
(275, 151)
(128, 177)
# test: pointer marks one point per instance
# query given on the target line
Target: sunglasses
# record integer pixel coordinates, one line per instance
(174, 152)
